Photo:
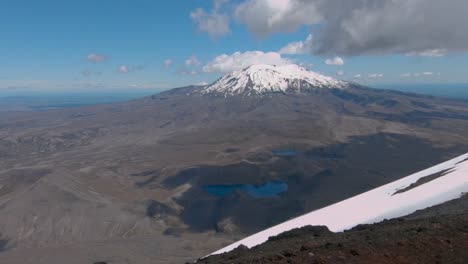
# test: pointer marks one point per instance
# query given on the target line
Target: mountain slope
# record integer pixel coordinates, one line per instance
(105, 178)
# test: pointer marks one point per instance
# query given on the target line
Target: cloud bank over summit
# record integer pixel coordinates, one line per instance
(238, 60)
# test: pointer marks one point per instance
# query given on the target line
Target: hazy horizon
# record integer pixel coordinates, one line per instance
(43, 100)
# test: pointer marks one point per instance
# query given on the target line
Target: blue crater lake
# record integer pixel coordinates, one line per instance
(269, 189)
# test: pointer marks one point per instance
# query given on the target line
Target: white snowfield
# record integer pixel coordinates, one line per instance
(380, 203)
(263, 78)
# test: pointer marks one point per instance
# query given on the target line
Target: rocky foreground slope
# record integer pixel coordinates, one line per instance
(435, 235)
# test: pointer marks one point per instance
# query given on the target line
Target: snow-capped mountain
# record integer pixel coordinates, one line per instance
(430, 187)
(262, 79)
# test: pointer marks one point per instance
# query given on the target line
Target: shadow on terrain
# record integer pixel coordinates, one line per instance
(19, 178)
(316, 178)
(152, 176)
(156, 209)
(3, 243)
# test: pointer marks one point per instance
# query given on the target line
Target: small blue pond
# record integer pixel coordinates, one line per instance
(285, 152)
(269, 189)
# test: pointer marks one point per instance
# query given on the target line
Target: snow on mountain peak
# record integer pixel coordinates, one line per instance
(263, 78)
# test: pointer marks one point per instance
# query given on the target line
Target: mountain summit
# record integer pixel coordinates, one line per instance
(262, 79)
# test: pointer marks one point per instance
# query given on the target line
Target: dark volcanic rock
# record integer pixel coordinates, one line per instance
(3, 243)
(156, 209)
(422, 181)
(434, 235)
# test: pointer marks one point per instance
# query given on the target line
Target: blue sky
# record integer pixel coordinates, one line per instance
(81, 45)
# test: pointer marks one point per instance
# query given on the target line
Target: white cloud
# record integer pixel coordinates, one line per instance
(306, 65)
(127, 69)
(428, 28)
(300, 47)
(190, 66)
(357, 76)
(337, 61)
(123, 69)
(143, 86)
(419, 74)
(434, 53)
(192, 61)
(214, 23)
(239, 60)
(375, 75)
(217, 4)
(264, 17)
(202, 83)
(95, 58)
(188, 72)
(88, 73)
(167, 63)
(340, 73)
